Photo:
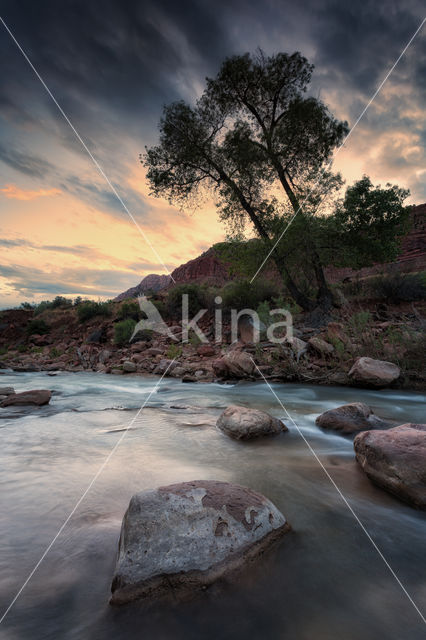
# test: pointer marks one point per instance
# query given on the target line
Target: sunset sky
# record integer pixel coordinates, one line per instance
(112, 65)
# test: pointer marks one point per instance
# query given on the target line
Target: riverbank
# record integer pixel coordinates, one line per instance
(322, 356)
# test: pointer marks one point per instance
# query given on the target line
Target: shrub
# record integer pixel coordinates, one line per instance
(398, 287)
(174, 351)
(195, 299)
(245, 295)
(123, 331)
(360, 320)
(129, 310)
(37, 325)
(90, 309)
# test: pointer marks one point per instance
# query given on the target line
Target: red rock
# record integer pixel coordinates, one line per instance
(36, 396)
(206, 350)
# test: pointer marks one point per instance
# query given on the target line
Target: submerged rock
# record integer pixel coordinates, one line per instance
(350, 418)
(396, 460)
(242, 423)
(374, 373)
(185, 536)
(37, 397)
(6, 391)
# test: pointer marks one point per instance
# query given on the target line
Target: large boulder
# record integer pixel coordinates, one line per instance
(242, 423)
(396, 460)
(234, 364)
(374, 373)
(350, 418)
(185, 536)
(320, 346)
(37, 397)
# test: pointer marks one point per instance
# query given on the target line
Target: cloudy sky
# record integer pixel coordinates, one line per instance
(111, 65)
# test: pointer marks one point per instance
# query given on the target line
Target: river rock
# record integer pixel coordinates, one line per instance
(129, 367)
(396, 460)
(36, 396)
(235, 364)
(374, 373)
(350, 418)
(320, 346)
(6, 391)
(185, 536)
(242, 423)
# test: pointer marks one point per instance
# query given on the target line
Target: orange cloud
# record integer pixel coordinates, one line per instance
(12, 191)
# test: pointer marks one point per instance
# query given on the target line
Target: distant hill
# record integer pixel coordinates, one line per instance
(210, 269)
(152, 282)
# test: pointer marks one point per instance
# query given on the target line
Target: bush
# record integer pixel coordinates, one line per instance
(90, 309)
(129, 310)
(196, 299)
(123, 331)
(245, 295)
(37, 325)
(398, 287)
(58, 302)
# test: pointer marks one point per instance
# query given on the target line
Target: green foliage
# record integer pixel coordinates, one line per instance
(55, 353)
(129, 310)
(245, 295)
(91, 309)
(398, 287)
(56, 303)
(174, 351)
(37, 326)
(22, 348)
(27, 305)
(123, 331)
(366, 227)
(3, 350)
(359, 321)
(196, 299)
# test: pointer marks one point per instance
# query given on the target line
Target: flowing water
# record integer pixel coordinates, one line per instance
(324, 581)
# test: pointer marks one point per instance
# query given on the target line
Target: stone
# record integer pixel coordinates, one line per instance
(350, 418)
(395, 460)
(320, 346)
(297, 346)
(36, 396)
(97, 336)
(185, 536)
(234, 364)
(164, 365)
(206, 350)
(242, 423)
(374, 373)
(6, 391)
(117, 372)
(129, 367)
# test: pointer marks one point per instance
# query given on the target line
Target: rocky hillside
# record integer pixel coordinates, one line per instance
(152, 282)
(209, 268)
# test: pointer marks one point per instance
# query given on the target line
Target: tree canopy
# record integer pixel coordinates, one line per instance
(254, 136)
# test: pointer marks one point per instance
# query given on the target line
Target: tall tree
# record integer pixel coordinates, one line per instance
(252, 133)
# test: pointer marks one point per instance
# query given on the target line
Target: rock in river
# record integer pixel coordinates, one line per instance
(396, 460)
(185, 536)
(242, 423)
(36, 396)
(374, 373)
(352, 417)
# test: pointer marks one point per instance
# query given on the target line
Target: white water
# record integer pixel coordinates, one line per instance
(324, 581)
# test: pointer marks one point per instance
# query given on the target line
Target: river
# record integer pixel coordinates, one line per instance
(324, 581)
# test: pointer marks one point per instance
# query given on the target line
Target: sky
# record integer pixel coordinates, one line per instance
(112, 65)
